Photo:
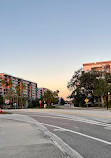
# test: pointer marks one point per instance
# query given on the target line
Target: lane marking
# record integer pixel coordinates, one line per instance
(108, 128)
(77, 113)
(78, 133)
(77, 119)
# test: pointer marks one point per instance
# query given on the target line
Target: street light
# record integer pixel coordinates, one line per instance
(107, 100)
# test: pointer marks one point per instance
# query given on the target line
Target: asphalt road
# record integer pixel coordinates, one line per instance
(86, 132)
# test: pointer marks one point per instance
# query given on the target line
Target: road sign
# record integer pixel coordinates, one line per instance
(7, 101)
(1, 111)
(40, 103)
(59, 99)
(86, 100)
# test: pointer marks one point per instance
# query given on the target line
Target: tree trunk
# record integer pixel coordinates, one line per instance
(17, 103)
(99, 102)
(102, 101)
(3, 101)
(48, 103)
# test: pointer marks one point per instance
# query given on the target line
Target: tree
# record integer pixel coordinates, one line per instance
(22, 88)
(6, 84)
(10, 95)
(17, 88)
(55, 97)
(48, 97)
(92, 84)
(3, 82)
(35, 103)
(55, 93)
(21, 100)
(9, 84)
(74, 81)
(101, 89)
(62, 101)
(82, 85)
(79, 99)
(1, 101)
(87, 82)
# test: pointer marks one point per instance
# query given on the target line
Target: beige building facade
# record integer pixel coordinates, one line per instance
(100, 66)
(31, 87)
(41, 92)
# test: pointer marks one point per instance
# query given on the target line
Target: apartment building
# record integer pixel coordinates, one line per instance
(41, 92)
(31, 87)
(98, 66)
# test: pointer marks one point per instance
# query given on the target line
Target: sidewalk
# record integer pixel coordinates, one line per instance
(22, 140)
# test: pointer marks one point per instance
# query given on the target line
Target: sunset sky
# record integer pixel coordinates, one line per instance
(47, 40)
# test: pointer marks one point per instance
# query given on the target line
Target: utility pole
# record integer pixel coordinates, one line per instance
(107, 99)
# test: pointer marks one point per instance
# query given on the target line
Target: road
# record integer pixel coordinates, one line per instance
(86, 131)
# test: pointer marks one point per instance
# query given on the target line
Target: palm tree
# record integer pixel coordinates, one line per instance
(17, 88)
(48, 97)
(22, 88)
(55, 93)
(55, 96)
(3, 87)
(19, 91)
(10, 95)
(9, 83)
(4, 83)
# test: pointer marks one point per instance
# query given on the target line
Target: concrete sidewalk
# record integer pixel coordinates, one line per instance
(21, 140)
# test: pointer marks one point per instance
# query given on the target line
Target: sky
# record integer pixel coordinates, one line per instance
(45, 41)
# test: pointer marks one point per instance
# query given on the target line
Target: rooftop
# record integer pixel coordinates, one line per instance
(95, 63)
(16, 77)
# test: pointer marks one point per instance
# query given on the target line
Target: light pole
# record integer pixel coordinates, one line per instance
(107, 99)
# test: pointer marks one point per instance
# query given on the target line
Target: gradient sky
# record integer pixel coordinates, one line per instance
(47, 40)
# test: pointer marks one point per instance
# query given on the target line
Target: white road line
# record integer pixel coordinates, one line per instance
(78, 119)
(78, 133)
(109, 128)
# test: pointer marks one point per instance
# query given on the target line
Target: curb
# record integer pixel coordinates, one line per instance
(66, 149)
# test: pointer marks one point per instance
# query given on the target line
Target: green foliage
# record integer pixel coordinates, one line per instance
(30, 105)
(79, 100)
(10, 94)
(14, 96)
(75, 79)
(5, 112)
(6, 83)
(50, 107)
(1, 101)
(92, 84)
(109, 104)
(50, 97)
(62, 101)
(35, 103)
(21, 101)
(55, 100)
(87, 81)
(100, 87)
